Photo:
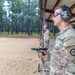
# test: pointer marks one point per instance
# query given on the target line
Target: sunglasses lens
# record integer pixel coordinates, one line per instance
(56, 14)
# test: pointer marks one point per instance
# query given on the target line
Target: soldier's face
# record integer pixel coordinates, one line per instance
(57, 17)
(44, 27)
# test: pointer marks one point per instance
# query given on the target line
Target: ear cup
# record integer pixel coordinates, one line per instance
(65, 15)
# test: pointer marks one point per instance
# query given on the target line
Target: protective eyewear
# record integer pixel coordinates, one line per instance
(56, 14)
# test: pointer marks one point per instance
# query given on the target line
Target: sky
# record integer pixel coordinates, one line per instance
(6, 7)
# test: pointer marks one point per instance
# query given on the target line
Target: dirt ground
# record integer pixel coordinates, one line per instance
(17, 58)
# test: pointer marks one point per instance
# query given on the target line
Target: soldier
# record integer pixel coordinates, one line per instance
(62, 60)
(46, 36)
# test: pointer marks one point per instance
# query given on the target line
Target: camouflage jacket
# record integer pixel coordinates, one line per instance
(46, 35)
(63, 54)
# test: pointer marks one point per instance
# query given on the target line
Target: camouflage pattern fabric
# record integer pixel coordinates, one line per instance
(46, 38)
(62, 62)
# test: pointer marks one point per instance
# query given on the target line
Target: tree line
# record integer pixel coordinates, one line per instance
(21, 16)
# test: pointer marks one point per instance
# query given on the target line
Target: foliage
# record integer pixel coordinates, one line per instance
(22, 16)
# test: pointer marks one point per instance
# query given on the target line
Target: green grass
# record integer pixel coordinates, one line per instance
(23, 34)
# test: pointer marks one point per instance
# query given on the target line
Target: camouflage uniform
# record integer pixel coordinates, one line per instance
(62, 61)
(46, 38)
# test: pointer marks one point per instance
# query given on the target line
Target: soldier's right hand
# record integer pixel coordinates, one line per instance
(43, 52)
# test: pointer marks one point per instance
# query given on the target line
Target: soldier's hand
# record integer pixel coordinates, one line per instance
(44, 52)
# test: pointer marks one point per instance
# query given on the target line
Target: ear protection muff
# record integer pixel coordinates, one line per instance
(47, 26)
(65, 14)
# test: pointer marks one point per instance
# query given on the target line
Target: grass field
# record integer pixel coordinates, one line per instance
(23, 35)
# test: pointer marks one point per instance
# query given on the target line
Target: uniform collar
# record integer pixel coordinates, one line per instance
(62, 31)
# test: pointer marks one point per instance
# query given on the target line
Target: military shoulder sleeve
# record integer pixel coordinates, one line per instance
(70, 47)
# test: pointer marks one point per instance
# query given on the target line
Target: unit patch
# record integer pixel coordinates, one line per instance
(72, 52)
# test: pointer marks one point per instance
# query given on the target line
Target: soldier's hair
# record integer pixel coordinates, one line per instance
(46, 26)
